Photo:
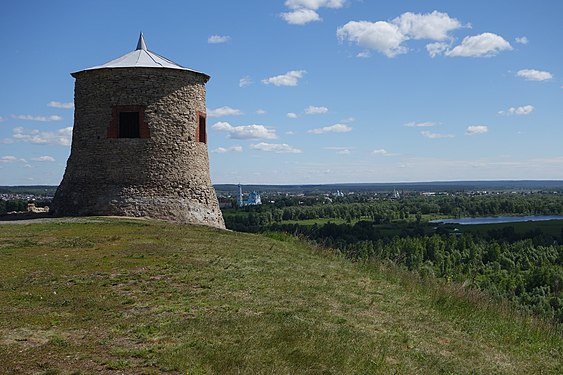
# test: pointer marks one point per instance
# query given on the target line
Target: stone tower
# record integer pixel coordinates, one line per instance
(139, 144)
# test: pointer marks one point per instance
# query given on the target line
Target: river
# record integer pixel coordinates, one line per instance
(497, 219)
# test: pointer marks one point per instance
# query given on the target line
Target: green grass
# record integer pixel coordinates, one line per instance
(140, 297)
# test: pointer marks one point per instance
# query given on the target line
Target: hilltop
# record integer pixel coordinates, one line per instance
(131, 296)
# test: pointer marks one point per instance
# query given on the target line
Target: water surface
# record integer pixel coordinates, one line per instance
(497, 219)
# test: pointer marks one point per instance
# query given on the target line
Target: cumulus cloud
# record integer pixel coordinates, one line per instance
(260, 112)
(305, 11)
(291, 115)
(433, 26)
(519, 111)
(216, 39)
(280, 148)
(388, 37)
(245, 131)
(312, 110)
(290, 78)
(222, 150)
(381, 36)
(245, 81)
(224, 111)
(431, 135)
(482, 45)
(2, 119)
(37, 118)
(364, 54)
(62, 137)
(44, 158)
(522, 40)
(336, 128)
(54, 104)
(301, 16)
(437, 48)
(414, 124)
(534, 75)
(476, 129)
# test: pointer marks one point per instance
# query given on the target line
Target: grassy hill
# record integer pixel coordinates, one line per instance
(133, 297)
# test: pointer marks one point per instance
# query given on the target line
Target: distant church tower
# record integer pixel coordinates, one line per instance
(139, 144)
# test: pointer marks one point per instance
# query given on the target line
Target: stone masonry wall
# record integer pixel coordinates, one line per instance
(165, 176)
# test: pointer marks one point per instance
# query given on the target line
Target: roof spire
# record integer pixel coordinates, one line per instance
(141, 43)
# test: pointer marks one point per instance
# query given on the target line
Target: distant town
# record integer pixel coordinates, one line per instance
(231, 195)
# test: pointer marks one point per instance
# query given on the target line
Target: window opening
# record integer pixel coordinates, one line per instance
(201, 131)
(128, 121)
(129, 125)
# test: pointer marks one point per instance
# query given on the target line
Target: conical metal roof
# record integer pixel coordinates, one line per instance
(141, 57)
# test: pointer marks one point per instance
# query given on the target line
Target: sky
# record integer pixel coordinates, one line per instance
(308, 91)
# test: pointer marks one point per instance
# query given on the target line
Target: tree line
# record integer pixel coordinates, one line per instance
(388, 210)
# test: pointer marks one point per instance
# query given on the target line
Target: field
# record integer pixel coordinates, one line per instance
(134, 297)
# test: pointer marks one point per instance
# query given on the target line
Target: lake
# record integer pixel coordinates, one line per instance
(497, 219)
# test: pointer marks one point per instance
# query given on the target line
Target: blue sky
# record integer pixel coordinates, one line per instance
(308, 91)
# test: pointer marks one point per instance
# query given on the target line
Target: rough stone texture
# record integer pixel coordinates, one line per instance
(165, 176)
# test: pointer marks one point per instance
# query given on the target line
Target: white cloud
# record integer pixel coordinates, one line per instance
(290, 78)
(414, 124)
(301, 16)
(224, 111)
(53, 104)
(292, 115)
(336, 128)
(437, 48)
(62, 137)
(348, 120)
(260, 112)
(245, 81)
(431, 135)
(364, 54)
(522, 40)
(245, 131)
(37, 118)
(380, 152)
(216, 39)
(482, 45)
(534, 75)
(519, 111)
(340, 150)
(304, 11)
(8, 159)
(222, 150)
(388, 37)
(433, 26)
(276, 147)
(381, 36)
(315, 4)
(2, 119)
(44, 158)
(312, 110)
(476, 129)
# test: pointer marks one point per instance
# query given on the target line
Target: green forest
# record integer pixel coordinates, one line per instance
(516, 262)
